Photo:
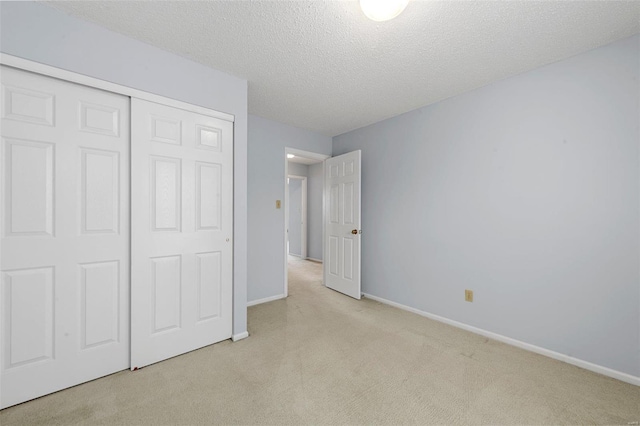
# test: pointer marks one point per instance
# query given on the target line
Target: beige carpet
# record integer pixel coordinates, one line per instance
(319, 357)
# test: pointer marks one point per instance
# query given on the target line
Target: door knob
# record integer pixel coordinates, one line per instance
(354, 231)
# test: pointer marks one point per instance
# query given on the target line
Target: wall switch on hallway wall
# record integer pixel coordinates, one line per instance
(468, 295)
(277, 204)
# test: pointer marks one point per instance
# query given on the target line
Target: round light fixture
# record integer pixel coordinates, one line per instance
(382, 10)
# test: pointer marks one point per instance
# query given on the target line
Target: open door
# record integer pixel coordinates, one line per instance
(342, 224)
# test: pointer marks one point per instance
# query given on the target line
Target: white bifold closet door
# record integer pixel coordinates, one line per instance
(64, 257)
(182, 171)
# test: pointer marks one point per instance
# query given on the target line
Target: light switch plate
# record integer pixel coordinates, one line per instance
(468, 295)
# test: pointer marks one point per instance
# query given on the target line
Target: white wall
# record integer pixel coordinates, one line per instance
(525, 191)
(267, 142)
(40, 33)
(315, 185)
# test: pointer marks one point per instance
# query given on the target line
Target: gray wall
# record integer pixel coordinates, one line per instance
(267, 141)
(40, 33)
(314, 211)
(295, 216)
(525, 191)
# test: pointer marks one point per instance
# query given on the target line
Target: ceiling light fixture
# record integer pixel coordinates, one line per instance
(290, 155)
(382, 10)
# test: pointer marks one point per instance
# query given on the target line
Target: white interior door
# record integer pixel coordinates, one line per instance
(181, 271)
(342, 224)
(64, 235)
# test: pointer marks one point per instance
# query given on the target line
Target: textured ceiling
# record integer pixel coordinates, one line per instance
(323, 66)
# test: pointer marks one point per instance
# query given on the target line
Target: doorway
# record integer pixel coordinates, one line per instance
(303, 168)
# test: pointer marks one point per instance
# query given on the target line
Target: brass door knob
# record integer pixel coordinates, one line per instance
(354, 231)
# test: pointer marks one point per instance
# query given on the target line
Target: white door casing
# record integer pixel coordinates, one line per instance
(64, 297)
(342, 224)
(182, 183)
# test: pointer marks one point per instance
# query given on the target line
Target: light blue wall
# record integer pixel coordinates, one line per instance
(295, 216)
(295, 207)
(267, 142)
(40, 33)
(298, 169)
(525, 191)
(314, 211)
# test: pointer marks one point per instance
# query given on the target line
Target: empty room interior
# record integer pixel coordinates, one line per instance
(320, 212)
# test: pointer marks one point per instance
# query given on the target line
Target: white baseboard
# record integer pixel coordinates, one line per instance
(240, 336)
(314, 260)
(265, 300)
(628, 378)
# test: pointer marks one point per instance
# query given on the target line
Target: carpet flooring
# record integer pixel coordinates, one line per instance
(319, 357)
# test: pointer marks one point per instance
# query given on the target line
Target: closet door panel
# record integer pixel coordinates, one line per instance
(64, 236)
(181, 231)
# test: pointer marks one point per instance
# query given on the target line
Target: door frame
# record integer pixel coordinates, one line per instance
(313, 156)
(303, 213)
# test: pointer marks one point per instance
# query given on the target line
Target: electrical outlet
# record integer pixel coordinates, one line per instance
(277, 204)
(468, 295)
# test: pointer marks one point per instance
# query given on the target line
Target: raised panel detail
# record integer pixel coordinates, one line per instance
(347, 193)
(333, 255)
(348, 168)
(166, 130)
(347, 254)
(208, 196)
(28, 105)
(99, 303)
(100, 119)
(166, 190)
(208, 138)
(333, 203)
(334, 171)
(209, 284)
(100, 192)
(166, 282)
(28, 316)
(29, 188)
